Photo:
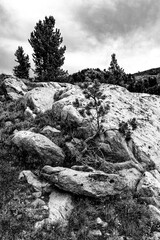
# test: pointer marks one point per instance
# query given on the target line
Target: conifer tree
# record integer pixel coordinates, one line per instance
(21, 70)
(117, 74)
(48, 54)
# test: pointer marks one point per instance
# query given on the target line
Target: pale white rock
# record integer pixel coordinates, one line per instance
(32, 179)
(156, 236)
(131, 177)
(15, 88)
(48, 84)
(71, 115)
(124, 106)
(51, 131)
(38, 143)
(8, 123)
(95, 233)
(60, 207)
(154, 214)
(38, 203)
(95, 184)
(29, 113)
(40, 98)
(99, 221)
(149, 185)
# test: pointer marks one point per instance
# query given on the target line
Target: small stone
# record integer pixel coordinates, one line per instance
(38, 217)
(105, 225)
(99, 221)
(38, 203)
(37, 194)
(95, 233)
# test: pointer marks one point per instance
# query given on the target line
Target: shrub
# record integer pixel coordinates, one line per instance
(126, 127)
(93, 93)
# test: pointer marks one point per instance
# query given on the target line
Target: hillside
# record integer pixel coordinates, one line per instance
(152, 71)
(78, 161)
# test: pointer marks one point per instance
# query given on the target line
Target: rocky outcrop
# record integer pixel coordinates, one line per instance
(14, 88)
(41, 145)
(94, 184)
(40, 99)
(143, 147)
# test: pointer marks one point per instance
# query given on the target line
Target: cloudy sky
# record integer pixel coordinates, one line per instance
(91, 29)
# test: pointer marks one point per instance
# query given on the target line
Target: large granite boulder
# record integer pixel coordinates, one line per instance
(38, 143)
(124, 106)
(14, 88)
(40, 99)
(94, 184)
(70, 115)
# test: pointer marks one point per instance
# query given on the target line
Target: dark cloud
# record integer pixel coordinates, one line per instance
(125, 17)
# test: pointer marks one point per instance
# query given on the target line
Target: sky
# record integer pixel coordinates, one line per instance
(91, 29)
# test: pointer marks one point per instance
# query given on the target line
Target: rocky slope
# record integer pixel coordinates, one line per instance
(117, 162)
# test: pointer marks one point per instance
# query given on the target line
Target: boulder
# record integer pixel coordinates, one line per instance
(149, 185)
(39, 144)
(94, 184)
(154, 214)
(70, 115)
(94, 233)
(40, 98)
(68, 99)
(131, 177)
(60, 207)
(14, 88)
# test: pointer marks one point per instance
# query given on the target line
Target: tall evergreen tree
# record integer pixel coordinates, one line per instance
(117, 74)
(48, 54)
(21, 70)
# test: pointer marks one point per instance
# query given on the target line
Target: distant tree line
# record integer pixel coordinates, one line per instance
(116, 75)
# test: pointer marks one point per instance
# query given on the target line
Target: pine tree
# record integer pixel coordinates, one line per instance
(22, 70)
(117, 74)
(48, 54)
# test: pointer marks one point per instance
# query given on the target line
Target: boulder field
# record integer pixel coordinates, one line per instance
(132, 163)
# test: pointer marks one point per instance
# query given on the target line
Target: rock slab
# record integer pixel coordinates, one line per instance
(94, 184)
